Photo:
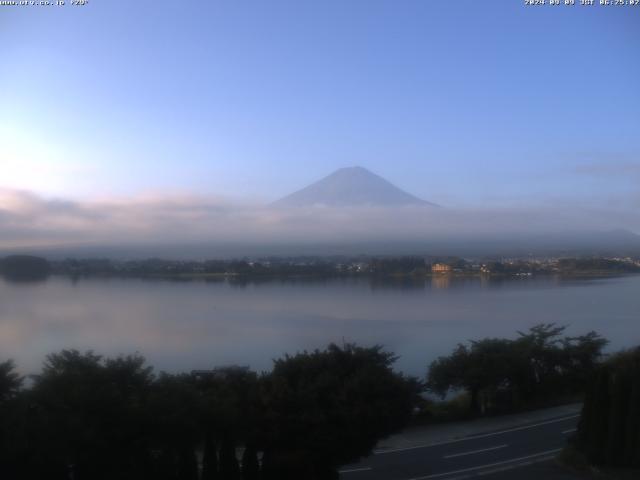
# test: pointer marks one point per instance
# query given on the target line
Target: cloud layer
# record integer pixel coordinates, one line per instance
(29, 220)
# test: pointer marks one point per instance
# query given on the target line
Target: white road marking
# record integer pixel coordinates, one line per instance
(353, 470)
(474, 437)
(475, 451)
(515, 465)
(571, 430)
(488, 465)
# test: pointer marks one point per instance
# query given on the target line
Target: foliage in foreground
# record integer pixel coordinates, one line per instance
(609, 428)
(88, 417)
(503, 374)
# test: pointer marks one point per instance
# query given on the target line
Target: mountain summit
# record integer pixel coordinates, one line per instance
(350, 187)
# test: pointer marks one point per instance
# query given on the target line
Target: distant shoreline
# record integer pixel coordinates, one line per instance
(275, 276)
(408, 268)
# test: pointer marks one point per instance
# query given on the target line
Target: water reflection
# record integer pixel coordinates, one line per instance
(441, 281)
(25, 278)
(438, 282)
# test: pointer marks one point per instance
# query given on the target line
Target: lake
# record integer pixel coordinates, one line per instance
(184, 325)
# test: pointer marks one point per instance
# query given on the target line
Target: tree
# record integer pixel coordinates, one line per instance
(500, 374)
(210, 458)
(10, 381)
(480, 369)
(90, 415)
(229, 467)
(10, 426)
(250, 465)
(327, 408)
(608, 431)
(175, 405)
(231, 412)
(542, 345)
(582, 355)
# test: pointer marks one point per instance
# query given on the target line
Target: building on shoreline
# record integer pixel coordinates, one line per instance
(440, 268)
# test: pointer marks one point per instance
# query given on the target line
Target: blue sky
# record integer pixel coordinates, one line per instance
(466, 103)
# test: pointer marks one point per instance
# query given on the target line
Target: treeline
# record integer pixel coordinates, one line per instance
(596, 264)
(160, 267)
(501, 375)
(609, 428)
(88, 417)
(24, 267)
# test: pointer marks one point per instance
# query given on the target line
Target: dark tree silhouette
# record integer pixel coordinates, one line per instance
(609, 428)
(500, 374)
(90, 415)
(229, 466)
(10, 384)
(250, 465)
(24, 267)
(10, 381)
(482, 367)
(330, 407)
(92, 418)
(210, 458)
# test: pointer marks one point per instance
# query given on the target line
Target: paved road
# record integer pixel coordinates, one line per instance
(484, 454)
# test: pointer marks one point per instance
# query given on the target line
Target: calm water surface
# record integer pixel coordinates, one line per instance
(192, 324)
